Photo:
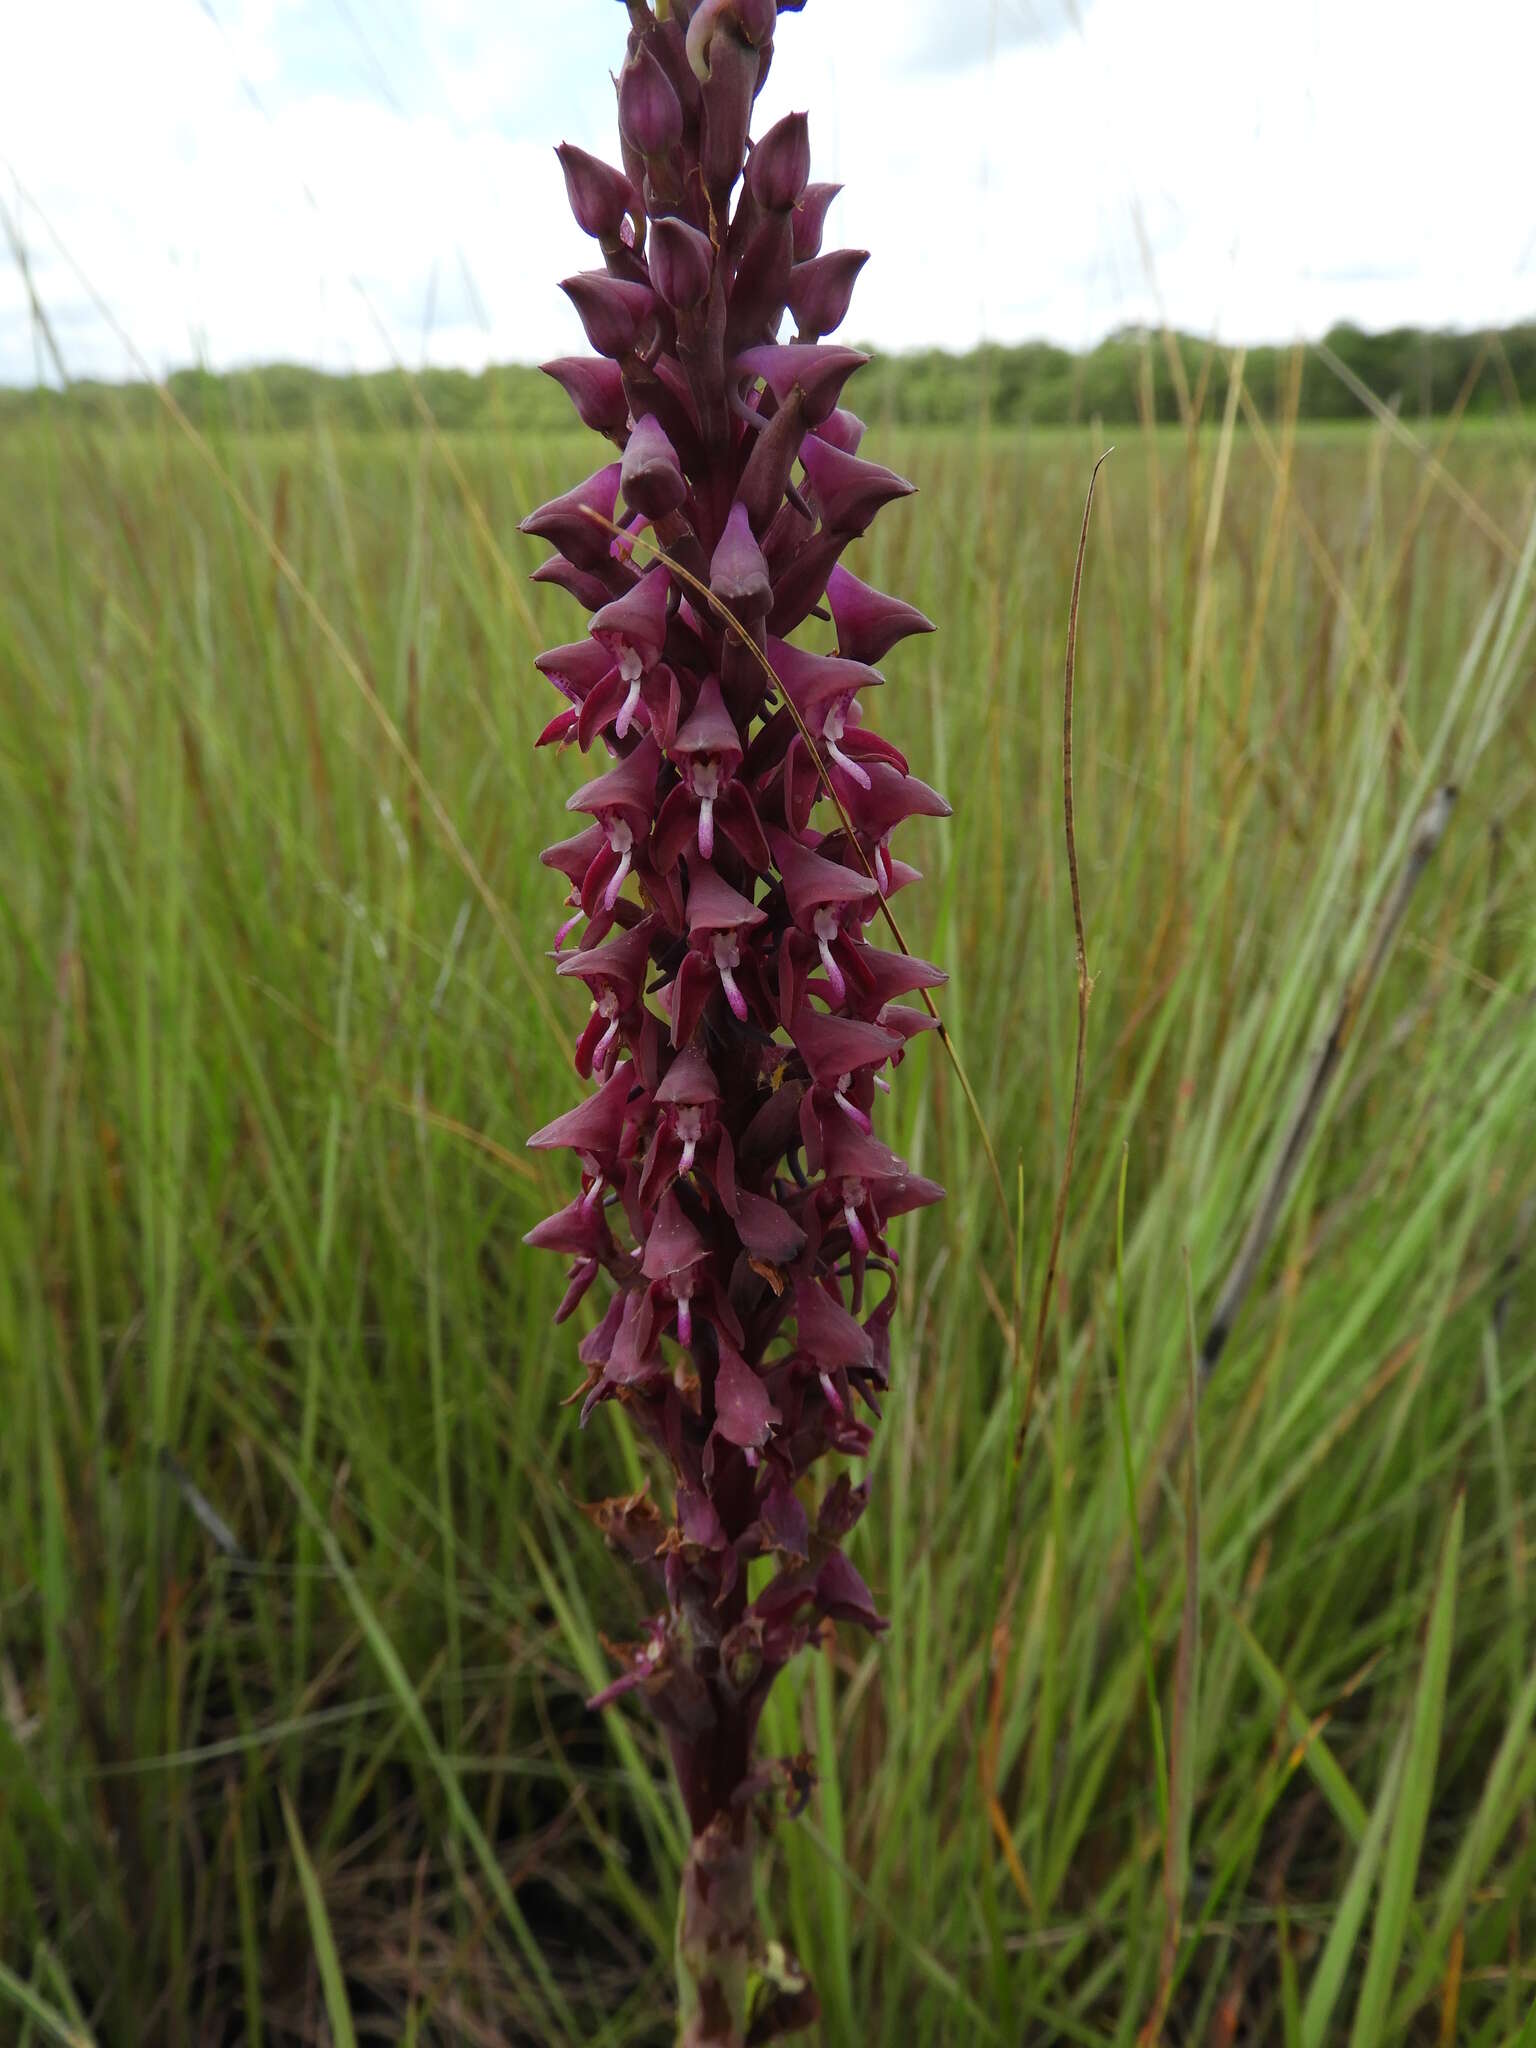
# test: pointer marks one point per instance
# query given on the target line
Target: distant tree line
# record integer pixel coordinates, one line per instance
(1128, 377)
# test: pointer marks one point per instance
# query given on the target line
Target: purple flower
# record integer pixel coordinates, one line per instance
(743, 1021)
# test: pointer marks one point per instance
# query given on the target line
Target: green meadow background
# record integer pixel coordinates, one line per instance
(298, 1607)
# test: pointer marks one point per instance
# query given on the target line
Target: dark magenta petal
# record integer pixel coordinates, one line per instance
(737, 817)
(589, 587)
(782, 1519)
(849, 492)
(899, 874)
(729, 69)
(559, 729)
(814, 680)
(843, 430)
(629, 789)
(834, 1046)
(623, 961)
(600, 196)
(675, 1242)
(578, 1229)
(595, 387)
(869, 624)
(852, 1154)
(636, 620)
(650, 113)
(908, 1191)
(843, 1596)
(599, 708)
(841, 1507)
(699, 1519)
(907, 1023)
(780, 164)
(811, 883)
(575, 855)
(564, 523)
(891, 797)
(738, 574)
(709, 729)
(809, 218)
(613, 310)
(714, 906)
(749, 21)
(768, 1230)
(582, 1274)
(825, 1332)
(593, 1126)
(771, 464)
(690, 1082)
(634, 1356)
(744, 1415)
(650, 476)
(576, 668)
(682, 263)
(820, 371)
(821, 291)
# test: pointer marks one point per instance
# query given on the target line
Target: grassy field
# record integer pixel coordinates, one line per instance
(297, 1606)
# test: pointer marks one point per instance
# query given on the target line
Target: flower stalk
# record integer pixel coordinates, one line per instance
(736, 847)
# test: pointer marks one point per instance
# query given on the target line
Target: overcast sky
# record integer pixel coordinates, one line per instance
(228, 173)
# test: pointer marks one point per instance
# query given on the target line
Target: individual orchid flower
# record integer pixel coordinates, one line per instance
(623, 802)
(823, 898)
(706, 750)
(615, 973)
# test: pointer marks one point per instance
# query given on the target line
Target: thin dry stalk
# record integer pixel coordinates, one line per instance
(1084, 979)
(1427, 835)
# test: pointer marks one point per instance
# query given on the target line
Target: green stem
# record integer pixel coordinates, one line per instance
(716, 1935)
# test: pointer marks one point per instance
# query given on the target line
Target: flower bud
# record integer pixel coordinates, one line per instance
(809, 217)
(738, 575)
(600, 196)
(563, 522)
(820, 291)
(819, 372)
(612, 310)
(595, 388)
(589, 587)
(727, 64)
(651, 480)
(848, 492)
(682, 263)
(636, 623)
(843, 429)
(750, 21)
(780, 164)
(650, 113)
(869, 623)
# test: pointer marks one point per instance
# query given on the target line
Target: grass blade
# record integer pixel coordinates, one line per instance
(41, 2014)
(1349, 1917)
(1407, 1839)
(1186, 1692)
(338, 2011)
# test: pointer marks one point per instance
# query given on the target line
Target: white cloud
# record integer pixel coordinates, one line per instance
(969, 32)
(227, 181)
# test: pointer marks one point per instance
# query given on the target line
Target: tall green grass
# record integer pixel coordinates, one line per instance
(272, 1032)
